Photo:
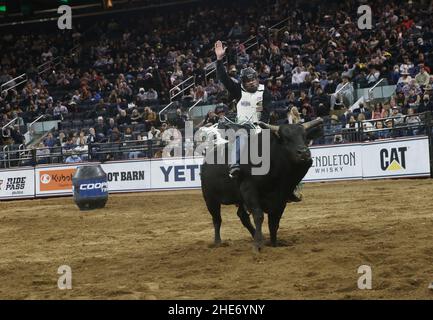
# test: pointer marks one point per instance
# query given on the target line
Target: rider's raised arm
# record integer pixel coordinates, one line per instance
(232, 87)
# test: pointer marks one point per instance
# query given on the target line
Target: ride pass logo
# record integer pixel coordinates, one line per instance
(56, 180)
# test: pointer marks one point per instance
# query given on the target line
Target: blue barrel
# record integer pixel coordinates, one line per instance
(90, 187)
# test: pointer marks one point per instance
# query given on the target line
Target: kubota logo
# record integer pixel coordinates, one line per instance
(394, 159)
(56, 180)
(45, 178)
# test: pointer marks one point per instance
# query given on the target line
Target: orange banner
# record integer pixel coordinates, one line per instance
(56, 180)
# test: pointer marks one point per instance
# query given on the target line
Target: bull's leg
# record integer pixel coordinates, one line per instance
(274, 224)
(258, 216)
(274, 218)
(215, 211)
(250, 197)
(245, 219)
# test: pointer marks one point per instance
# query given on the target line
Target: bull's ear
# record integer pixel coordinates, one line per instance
(315, 133)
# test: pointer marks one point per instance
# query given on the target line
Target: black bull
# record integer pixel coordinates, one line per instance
(290, 160)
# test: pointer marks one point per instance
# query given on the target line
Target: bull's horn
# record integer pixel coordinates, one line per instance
(313, 123)
(273, 128)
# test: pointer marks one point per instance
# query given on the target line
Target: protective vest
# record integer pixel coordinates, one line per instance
(247, 105)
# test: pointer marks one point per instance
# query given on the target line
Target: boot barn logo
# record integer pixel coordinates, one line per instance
(393, 159)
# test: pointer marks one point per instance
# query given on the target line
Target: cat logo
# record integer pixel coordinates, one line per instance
(394, 159)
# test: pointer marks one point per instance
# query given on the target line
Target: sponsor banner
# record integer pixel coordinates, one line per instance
(176, 174)
(91, 188)
(390, 158)
(335, 163)
(55, 180)
(396, 158)
(17, 184)
(128, 176)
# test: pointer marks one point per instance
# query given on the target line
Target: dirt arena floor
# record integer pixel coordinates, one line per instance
(156, 246)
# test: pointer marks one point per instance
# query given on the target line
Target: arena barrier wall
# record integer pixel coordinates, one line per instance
(408, 157)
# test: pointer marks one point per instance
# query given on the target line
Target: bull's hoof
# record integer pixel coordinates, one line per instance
(257, 247)
(294, 198)
(269, 243)
(218, 244)
(279, 243)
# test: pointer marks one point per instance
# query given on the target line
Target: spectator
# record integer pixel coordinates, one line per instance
(426, 104)
(127, 136)
(115, 136)
(136, 117)
(305, 117)
(321, 103)
(397, 116)
(412, 100)
(49, 141)
(235, 31)
(332, 131)
(81, 140)
(141, 96)
(413, 121)
(351, 129)
(299, 76)
(345, 95)
(16, 135)
(422, 78)
(153, 133)
(91, 138)
(210, 119)
(151, 95)
(382, 133)
(123, 119)
(69, 144)
(42, 154)
(377, 111)
(373, 76)
(59, 111)
(293, 116)
(100, 128)
(73, 158)
(180, 119)
(149, 117)
(199, 93)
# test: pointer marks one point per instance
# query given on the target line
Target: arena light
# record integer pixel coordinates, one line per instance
(3, 7)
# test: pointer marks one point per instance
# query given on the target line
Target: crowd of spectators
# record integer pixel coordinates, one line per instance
(114, 76)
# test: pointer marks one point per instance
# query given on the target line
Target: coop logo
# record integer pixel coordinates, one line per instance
(103, 186)
(393, 159)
